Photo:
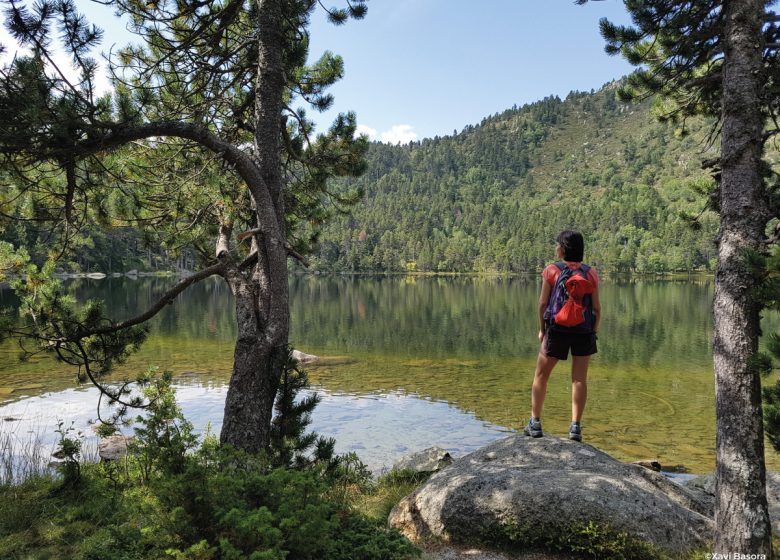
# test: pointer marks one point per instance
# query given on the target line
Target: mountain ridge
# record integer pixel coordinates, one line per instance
(493, 196)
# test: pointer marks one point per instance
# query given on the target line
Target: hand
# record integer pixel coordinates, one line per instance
(541, 336)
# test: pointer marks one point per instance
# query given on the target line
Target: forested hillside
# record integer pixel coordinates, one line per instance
(493, 196)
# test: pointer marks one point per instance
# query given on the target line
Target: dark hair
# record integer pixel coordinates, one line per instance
(573, 245)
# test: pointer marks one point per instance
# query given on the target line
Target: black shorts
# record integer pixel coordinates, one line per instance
(557, 344)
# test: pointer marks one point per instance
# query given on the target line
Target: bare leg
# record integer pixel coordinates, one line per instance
(579, 386)
(544, 366)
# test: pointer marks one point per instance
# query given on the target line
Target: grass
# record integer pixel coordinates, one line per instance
(40, 519)
(376, 500)
(28, 458)
(21, 460)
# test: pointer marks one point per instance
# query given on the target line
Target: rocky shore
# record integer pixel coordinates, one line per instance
(518, 497)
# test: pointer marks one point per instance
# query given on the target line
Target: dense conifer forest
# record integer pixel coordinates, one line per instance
(493, 196)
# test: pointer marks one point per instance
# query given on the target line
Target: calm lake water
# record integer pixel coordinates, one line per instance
(420, 361)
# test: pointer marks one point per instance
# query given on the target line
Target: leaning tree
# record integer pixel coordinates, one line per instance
(201, 143)
(720, 59)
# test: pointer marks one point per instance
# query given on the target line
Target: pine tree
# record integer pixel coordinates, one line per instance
(721, 59)
(289, 440)
(200, 145)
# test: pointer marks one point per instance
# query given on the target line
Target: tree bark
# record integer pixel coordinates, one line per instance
(741, 513)
(262, 300)
(255, 377)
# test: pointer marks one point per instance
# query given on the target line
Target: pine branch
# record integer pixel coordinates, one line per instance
(166, 299)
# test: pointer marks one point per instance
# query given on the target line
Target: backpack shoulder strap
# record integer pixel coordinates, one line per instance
(560, 264)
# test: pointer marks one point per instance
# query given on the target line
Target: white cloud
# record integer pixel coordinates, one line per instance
(367, 130)
(399, 134)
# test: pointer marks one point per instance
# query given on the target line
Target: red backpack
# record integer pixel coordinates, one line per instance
(571, 306)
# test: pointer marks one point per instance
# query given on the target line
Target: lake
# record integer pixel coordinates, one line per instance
(416, 361)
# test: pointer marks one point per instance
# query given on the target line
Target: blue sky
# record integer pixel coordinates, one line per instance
(438, 65)
(420, 68)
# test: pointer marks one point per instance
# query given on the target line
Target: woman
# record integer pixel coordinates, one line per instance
(557, 340)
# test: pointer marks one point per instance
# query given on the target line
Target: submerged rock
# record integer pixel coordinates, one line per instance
(324, 361)
(517, 489)
(652, 465)
(304, 358)
(427, 460)
(437, 364)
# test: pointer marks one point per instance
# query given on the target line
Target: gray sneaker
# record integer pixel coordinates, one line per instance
(575, 431)
(534, 428)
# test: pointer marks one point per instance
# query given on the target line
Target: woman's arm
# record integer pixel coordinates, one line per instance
(544, 298)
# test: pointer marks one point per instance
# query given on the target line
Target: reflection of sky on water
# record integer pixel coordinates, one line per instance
(380, 428)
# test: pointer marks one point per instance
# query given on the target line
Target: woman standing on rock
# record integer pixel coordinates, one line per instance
(569, 315)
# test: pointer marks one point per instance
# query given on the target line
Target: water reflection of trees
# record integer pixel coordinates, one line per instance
(652, 373)
(205, 311)
(645, 323)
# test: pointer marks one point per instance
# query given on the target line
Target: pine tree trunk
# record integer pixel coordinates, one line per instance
(741, 514)
(262, 299)
(255, 378)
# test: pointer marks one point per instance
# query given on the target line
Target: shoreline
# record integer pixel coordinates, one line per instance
(676, 275)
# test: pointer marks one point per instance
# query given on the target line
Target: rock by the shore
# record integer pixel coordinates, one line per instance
(428, 460)
(114, 447)
(518, 487)
(704, 486)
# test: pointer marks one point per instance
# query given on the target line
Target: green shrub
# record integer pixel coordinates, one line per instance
(163, 436)
(176, 499)
(69, 451)
(246, 508)
(600, 541)
(291, 445)
(115, 542)
(360, 538)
